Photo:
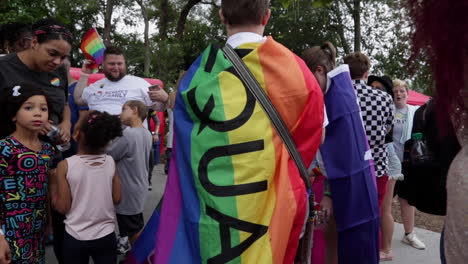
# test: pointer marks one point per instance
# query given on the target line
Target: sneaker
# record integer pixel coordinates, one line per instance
(386, 256)
(413, 241)
(123, 245)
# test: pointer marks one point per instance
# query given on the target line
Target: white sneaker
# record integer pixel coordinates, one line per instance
(123, 245)
(413, 241)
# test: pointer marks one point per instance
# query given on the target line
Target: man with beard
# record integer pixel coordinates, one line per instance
(110, 94)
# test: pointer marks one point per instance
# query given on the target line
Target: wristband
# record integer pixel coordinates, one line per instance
(328, 194)
(84, 74)
(1, 232)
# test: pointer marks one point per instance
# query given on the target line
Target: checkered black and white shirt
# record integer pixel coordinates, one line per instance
(377, 110)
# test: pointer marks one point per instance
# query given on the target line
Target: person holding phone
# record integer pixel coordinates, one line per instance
(109, 94)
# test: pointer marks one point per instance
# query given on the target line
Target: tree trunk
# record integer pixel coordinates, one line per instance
(147, 61)
(357, 25)
(340, 28)
(108, 22)
(163, 18)
(183, 18)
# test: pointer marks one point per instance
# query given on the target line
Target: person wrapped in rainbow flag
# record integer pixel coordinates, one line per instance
(233, 192)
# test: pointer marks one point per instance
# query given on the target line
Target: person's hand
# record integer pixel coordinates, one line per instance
(155, 138)
(65, 131)
(46, 128)
(5, 253)
(158, 95)
(86, 68)
(327, 206)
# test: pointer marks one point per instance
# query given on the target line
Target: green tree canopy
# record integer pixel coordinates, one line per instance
(298, 24)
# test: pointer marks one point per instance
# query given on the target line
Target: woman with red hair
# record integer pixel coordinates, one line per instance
(440, 33)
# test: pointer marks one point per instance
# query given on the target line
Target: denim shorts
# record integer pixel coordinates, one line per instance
(394, 164)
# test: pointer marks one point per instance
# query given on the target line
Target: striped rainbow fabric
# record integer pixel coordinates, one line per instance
(93, 48)
(233, 193)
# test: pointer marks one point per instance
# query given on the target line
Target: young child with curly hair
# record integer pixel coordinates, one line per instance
(88, 187)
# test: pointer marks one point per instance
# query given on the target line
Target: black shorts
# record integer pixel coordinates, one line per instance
(130, 225)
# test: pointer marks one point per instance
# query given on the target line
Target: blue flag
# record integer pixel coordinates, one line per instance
(142, 251)
(349, 167)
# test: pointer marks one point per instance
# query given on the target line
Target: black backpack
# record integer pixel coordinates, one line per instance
(426, 181)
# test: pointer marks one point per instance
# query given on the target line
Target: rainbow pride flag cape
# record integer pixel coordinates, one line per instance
(233, 193)
(93, 47)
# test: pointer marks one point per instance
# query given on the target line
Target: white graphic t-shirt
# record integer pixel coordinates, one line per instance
(401, 117)
(108, 96)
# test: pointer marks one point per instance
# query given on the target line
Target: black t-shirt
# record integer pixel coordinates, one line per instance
(55, 84)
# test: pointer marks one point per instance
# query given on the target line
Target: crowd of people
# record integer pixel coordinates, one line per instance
(77, 158)
(38, 73)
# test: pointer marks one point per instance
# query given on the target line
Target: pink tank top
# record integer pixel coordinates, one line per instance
(92, 212)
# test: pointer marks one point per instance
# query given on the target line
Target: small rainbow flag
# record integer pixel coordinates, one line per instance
(93, 47)
(233, 194)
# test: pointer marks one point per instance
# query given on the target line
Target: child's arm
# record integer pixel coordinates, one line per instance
(62, 201)
(118, 149)
(116, 193)
(52, 177)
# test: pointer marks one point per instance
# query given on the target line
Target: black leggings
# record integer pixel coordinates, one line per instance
(58, 229)
(102, 250)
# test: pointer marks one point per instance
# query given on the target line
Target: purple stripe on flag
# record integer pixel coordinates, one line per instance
(170, 213)
(144, 246)
(99, 56)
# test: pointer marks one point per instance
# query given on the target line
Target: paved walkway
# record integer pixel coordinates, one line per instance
(403, 254)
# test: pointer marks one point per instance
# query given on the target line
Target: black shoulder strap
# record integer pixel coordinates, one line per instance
(259, 94)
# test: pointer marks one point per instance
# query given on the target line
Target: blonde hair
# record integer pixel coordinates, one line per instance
(398, 82)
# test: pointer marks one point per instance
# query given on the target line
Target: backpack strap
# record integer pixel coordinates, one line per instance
(305, 243)
(260, 95)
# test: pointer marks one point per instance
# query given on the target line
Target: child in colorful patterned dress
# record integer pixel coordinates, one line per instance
(88, 186)
(24, 163)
